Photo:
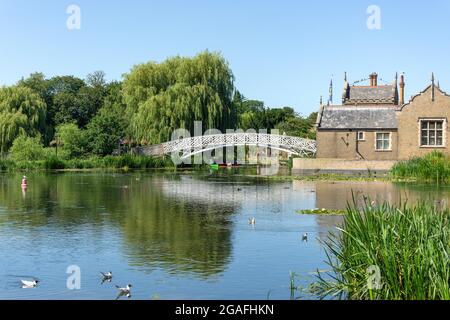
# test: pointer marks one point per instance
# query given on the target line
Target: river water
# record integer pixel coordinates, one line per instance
(172, 235)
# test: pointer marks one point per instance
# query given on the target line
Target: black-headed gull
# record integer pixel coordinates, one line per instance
(29, 284)
(126, 290)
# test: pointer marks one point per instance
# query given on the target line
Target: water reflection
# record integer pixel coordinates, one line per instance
(179, 234)
(184, 233)
(336, 195)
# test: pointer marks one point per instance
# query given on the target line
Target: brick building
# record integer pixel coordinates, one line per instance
(375, 123)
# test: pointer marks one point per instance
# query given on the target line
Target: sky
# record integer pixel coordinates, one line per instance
(281, 52)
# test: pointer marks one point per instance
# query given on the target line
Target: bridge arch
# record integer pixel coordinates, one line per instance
(199, 144)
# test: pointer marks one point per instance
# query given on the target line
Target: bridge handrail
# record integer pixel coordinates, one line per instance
(243, 138)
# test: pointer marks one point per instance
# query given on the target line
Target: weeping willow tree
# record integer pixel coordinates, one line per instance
(22, 112)
(162, 97)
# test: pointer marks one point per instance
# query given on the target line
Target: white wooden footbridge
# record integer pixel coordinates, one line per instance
(199, 144)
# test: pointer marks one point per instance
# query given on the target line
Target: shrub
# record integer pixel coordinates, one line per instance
(72, 140)
(54, 163)
(27, 149)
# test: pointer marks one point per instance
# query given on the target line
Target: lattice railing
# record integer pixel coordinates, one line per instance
(295, 145)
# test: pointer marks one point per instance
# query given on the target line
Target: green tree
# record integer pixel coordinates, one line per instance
(72, 140)
(298, 126)
(163, 97)
(22, 112)
(104, 132)
(27, 149)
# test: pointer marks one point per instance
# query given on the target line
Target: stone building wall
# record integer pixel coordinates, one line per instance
(422, 107)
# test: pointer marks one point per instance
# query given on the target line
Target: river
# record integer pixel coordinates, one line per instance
(172, 235)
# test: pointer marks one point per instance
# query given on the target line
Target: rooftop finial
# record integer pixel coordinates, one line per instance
(345, 76)
(330, 99)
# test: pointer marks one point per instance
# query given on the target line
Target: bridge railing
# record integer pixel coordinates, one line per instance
(295, 144)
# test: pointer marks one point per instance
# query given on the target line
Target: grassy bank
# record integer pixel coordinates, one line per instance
(108, 162)
(434, 167)
(410, 246)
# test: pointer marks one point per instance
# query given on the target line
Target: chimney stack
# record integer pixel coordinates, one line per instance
(373, 79)
(402, 89)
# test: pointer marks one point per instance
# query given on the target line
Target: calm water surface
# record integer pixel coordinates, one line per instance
(173, 236)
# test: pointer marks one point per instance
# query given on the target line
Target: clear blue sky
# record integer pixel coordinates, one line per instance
(281, 52)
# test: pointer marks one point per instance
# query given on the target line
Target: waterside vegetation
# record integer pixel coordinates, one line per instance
(389, 253)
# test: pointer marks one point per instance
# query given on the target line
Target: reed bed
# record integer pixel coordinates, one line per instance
(433, 167)
(409, 246)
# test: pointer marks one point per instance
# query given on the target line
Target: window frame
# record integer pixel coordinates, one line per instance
(389, 140)
(363, 136)
(444, 129)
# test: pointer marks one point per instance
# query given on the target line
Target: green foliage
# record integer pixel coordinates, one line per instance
(410, 247)
(54, 163)
(163, 97)
(87, 117)
(434, 166)
(104, 132)
(71, 139)
(51, 162)
(27, 149)
(252, 114)
(298, 127)
(22, 112)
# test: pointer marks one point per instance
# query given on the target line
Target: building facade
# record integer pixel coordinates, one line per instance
(375, 123)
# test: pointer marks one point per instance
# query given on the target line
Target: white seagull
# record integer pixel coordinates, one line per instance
(29, 284)
(126, 290)
(252, 220)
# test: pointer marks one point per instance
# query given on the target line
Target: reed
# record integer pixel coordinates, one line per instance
(433, 167)
(409, 245)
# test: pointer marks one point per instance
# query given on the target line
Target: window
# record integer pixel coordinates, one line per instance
(361, 136)
(431, 133)
(383, 141)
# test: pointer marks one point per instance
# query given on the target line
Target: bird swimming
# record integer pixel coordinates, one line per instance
(29, 284)
(252, 220)
(305, 237)
(126, 290)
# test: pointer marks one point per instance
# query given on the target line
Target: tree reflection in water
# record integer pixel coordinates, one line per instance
(177, 233)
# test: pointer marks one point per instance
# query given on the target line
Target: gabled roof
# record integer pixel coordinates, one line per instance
(386, 94)
(437, 88)
(358, 117)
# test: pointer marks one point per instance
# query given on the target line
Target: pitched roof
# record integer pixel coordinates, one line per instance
(386, 94)
(353, 117)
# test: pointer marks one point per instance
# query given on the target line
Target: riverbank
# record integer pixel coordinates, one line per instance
(430, 169)
(125, 162)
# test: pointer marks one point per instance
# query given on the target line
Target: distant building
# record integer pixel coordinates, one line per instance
(375, 123)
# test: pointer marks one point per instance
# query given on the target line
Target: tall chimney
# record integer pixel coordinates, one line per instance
(402, 89)
(374, 79)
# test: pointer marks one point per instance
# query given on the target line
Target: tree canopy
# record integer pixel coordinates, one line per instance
(162, 97)
(90, 116)
(22, 111)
